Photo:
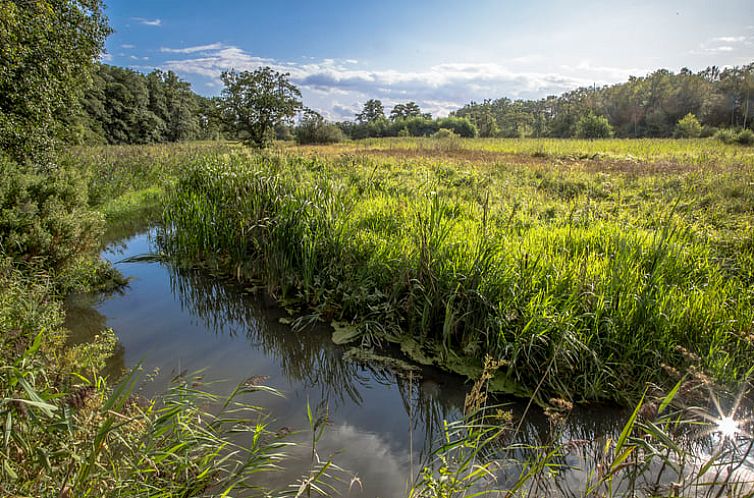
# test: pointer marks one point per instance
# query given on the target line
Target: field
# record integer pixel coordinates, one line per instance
(589, 268)
(560, 271)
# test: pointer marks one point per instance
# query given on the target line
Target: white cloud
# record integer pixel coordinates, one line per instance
(605, 73)
(191, 50)
(127, 46)
(335, 85)
(105, 57)
(729, 39)
(722, 44)
(148, 22)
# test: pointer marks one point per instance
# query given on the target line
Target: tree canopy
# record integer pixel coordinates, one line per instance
(647, 106)
(255, 102)
(47, 49)
(372, 111)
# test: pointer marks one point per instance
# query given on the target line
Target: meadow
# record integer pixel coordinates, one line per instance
(559, 271)
(589, 269)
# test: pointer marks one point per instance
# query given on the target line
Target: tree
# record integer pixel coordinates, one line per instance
(372, 111)
(313, 129)
(688, 127)
(47, 49)
(407, 110)
(255, 102)
(593, 126)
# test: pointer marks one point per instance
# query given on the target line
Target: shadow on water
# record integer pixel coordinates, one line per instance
(383, 422)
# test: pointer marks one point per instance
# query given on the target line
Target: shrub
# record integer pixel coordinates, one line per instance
(593, 126)
(445, 134)
(726, 136)
(745, 137)
(313, 129)
(461, 126)
(416, 126)
(688, 127)
(45, 222)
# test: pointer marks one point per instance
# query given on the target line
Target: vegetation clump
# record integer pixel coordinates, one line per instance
(688, 127)
(594, 277)
(313, 129)
(593, 126)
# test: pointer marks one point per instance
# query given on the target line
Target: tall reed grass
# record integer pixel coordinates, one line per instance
(583, 283)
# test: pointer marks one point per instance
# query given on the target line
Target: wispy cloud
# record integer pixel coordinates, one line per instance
(722, 45)
(191, 50)
(729, 39)
(148, 22)
(339, 85)
(127, 46)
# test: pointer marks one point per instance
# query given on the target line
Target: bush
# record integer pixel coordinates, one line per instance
(593, 126)
(729, 136)
(688, 127)
(313, 129)
(461, 126)
(445, 134)
(745, 137)
(416, 126)
(45, 222)
(726, 136)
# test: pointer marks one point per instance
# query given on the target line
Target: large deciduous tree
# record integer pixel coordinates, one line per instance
(47, 50)
(255, 102)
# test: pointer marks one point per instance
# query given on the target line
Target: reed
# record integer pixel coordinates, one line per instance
(601, 275)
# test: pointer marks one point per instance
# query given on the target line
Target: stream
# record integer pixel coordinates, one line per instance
(383, 425)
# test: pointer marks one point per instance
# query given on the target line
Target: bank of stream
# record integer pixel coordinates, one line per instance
(383, 421)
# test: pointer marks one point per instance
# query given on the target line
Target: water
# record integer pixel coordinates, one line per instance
(383, 424)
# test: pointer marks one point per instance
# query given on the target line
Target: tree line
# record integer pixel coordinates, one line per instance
(648, 106)
(124, 106)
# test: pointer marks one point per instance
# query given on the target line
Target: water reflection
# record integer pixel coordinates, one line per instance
(385, 422)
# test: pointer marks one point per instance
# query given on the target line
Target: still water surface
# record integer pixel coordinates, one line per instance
(383, 425)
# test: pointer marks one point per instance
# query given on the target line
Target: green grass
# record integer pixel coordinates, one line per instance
(702, 151)
(582, 269)
(584, 280)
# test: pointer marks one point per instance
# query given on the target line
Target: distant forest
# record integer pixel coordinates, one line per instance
(122, 106)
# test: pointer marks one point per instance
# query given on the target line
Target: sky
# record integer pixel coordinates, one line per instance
(441, 54)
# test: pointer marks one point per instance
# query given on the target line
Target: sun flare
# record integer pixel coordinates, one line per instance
(728, 427)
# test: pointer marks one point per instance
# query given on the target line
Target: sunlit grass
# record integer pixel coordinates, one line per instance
(601, 274)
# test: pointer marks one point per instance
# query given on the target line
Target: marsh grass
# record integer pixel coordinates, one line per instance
(599, 275)
(669, 445)
(66, 431)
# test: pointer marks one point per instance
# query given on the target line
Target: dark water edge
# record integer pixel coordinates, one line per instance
(383, 423)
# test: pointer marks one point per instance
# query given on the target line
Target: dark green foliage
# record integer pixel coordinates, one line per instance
(372, 111)
(255, 102)
(125, 107)
(592, 126)
(731, 136)
(46, 50)
(408, 110)
(45, 223)
(648, 106)
(416, 126)
(460, 126)
(313, 129)
(745, 137)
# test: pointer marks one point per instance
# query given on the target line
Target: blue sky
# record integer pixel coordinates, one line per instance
(438, 53)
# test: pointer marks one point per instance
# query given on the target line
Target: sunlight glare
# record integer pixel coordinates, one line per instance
(728, 427)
